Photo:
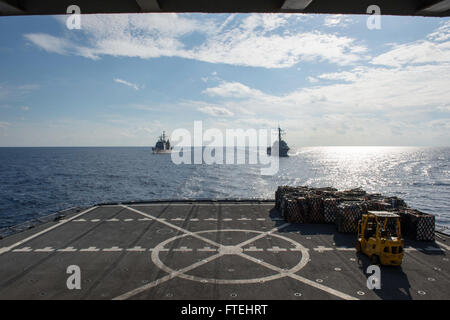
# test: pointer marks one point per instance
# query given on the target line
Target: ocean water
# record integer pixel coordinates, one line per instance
(38, 181)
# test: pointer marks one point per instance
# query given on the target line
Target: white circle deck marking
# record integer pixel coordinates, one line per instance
(230, 250)
(181, 273)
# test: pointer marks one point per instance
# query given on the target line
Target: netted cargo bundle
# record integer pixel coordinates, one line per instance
(279, 193)
(395, 202)
(298, 211)
(357, 193)
(417, 225)
(326, 192)
(292, 192)
(378, 205)
(330, 209)
(291, 210)
(374, 196)
(315, 209)
(349, 214)
(283, 205)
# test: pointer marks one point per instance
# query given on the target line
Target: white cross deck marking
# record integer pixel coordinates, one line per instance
(221, 253)
(182, 249)
(276, 249)
(262, 235)
(136, 249)
(46, 249)
(68, 249)
(112, 249)
(163, 221)
(90, 249)
(253, 249)
(25, 249)
(301, 279)
(322, 249)
(345, 249)
(171, 219)
(166, 278)
(206, 249)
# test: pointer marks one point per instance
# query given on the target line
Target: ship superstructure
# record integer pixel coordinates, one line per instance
(280, 144)
(162, 145)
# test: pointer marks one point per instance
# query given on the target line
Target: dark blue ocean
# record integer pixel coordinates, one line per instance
(38, 181)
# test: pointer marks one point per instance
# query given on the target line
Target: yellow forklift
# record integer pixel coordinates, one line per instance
(379, 237)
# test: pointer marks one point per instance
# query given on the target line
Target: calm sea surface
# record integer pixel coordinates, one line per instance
(39, 181)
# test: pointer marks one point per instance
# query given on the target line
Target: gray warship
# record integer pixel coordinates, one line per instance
(162, 145)
(280, 144)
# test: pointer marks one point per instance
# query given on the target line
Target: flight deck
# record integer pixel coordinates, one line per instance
(221, 250)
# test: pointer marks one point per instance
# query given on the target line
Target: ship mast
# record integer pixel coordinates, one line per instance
(279, 134)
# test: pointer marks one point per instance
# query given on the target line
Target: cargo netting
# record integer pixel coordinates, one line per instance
(345, 208)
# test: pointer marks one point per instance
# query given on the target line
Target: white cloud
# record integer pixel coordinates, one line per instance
(232, 89)
(49, 42)
(129, 84)
(442, 33)
(216, 111)
(337, 20)
(250, 41)
(25, 108)
(417, 52)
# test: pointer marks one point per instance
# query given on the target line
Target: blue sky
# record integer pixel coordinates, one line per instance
(121, 79)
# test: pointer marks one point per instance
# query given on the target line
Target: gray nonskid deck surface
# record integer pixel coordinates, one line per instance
(206, 251)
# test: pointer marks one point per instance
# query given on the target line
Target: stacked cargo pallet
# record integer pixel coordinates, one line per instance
(349, 213)
(417, 225)
(344, 208)
(330, 209)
